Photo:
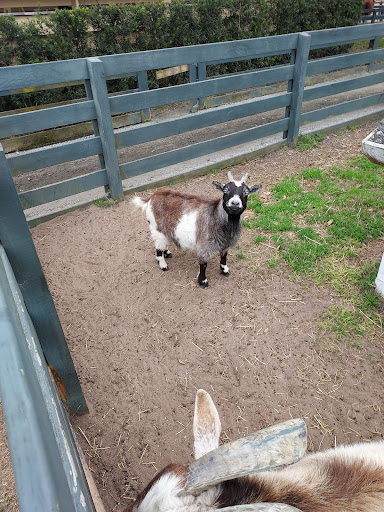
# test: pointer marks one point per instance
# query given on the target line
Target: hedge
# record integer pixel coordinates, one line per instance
(85, 32)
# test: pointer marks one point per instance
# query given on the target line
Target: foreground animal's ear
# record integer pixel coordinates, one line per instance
(206, 424)
(254, 188)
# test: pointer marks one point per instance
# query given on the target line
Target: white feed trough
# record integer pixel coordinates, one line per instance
(373, 149)
(373, 145)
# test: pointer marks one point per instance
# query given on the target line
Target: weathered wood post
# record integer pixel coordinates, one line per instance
(302, 52)
(47, 465)
(19, 247)
(105, 127)
(142, 78)
(197, 73)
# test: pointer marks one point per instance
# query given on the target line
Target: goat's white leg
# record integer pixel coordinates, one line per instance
(223, 264)
(161, 241)
(161, 246)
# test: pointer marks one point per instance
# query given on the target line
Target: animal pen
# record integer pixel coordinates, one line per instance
(32, 345)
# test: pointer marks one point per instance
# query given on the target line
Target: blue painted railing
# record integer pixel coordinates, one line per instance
(99, 107)
(42, 446)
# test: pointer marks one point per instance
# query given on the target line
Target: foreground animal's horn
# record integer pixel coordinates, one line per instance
(261, 507)
(230, 176)
(244, 178)
(269, 448)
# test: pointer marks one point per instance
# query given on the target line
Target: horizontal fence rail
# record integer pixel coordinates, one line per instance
(98, 107)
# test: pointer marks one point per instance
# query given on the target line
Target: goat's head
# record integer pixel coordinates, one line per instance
(195, 487)
(235, 194)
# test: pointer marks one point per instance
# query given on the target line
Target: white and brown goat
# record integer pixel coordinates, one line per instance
(204, 225)
(344, 479)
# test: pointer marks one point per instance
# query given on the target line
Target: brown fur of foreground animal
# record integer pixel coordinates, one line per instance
(345, 479)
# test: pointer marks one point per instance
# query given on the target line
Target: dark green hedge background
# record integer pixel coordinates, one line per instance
(85, 32)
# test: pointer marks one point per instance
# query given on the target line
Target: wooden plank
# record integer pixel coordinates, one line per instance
(168, 57)
(21, 252)
(167, 95)
(58, 154)
(344, 35)
(193, 78)
(66, 188)
(337, 62)
(342, 108)
(282, 51)
(22, 78)
(19, 124)
(175, 70)
(95, 126)
(202, 148)
(302, 53)
(100, 95)
(140, 134)
(142, 77)
(329, 89)
(40, 440)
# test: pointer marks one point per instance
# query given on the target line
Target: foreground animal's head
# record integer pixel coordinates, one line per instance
(235, 194)
(197, 487)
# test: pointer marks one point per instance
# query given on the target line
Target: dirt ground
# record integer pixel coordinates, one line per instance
(143, 341)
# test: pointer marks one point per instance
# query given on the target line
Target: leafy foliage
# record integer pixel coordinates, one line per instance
(113, 29)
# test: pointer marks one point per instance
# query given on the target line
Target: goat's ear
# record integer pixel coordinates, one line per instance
(218, 185)
(254, 188)
(206, 424)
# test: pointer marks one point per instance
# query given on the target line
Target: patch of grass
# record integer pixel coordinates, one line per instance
(105, 202)
(319, 221)
(344, 323)
(240, 256)
(260, 239)
(306, 142)
(351, 127)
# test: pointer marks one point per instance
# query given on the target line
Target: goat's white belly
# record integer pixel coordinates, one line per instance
(185, 231)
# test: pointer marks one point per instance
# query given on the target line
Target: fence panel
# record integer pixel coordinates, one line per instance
(47, 468)
(17, 242)
(98, 107)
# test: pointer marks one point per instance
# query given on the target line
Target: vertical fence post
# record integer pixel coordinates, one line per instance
(142, 77)
(88, 90)
(292, 61)
(201, 75)
(193, 78)
(300, 71)
(19, 247)
(197, 73)
(105, 127)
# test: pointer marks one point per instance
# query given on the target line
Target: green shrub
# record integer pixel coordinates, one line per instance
(113, 29)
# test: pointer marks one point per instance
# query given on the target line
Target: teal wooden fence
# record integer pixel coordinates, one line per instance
(30, 332)
(372, 15)
(47, 466)
(99, 107)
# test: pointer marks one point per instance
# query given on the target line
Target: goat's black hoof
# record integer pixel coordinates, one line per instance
(203, 284)
(167, 255)
(164, 269)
